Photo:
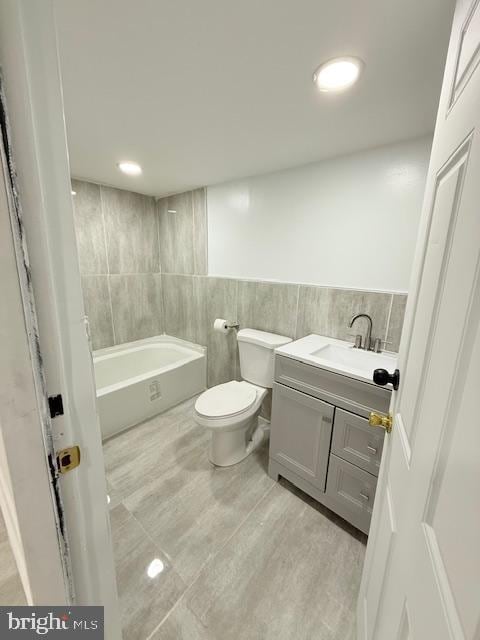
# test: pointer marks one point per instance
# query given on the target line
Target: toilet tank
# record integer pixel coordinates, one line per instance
(256, 355)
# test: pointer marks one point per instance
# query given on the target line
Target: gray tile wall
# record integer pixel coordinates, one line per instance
(183, 233)
(119, 256)
(193, 302)
(144, 273)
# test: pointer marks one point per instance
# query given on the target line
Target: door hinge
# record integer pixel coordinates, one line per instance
(380, 420)
(68, 459)
(55, 404)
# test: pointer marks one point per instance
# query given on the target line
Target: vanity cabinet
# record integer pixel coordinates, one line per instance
(303, 450)
(320, 437)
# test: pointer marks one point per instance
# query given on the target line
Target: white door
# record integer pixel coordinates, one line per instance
(33, 97)
(422, 571)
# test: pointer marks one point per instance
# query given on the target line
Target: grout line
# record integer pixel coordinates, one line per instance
(205, 202)
(388, 321)
(236, 372)
(157, 217)
(154, 542)
(194, 256)
(296, 312)
(162, 300)
(207, 562)
(212, 557)
(108, 264)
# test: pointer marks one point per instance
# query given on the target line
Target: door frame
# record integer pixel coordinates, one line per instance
(34, 527)
(33, 92)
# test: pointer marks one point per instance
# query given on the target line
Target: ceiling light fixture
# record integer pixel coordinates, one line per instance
(130, 168)
(337, 74)
(74, 193)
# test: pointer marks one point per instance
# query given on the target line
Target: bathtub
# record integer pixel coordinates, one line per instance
(137, 380)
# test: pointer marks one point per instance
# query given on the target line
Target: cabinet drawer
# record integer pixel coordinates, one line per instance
(351, 492)
(355, 441)
(341, 391)
(300, 434)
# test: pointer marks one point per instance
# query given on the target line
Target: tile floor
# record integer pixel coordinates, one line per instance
(231, 554)
(11, 590)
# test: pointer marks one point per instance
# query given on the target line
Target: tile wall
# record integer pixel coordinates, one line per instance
(117, 239)
(120, 237)
(144, 273)
(288, 309)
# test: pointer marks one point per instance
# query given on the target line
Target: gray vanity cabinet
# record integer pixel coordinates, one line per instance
(301, 438)
(320, 439)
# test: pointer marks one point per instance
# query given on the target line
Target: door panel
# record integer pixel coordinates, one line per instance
(426, 584)
(468, 55)
(380, 564)
(445, 208)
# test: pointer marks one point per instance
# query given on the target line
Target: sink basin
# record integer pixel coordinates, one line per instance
(354, 358)
(339, 356)
(347, 360)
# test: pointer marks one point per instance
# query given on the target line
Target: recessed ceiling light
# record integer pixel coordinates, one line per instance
(337, 74)
(74, 193)
(130, 168)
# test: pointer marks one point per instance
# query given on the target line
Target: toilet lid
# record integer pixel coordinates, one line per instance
(226, 399)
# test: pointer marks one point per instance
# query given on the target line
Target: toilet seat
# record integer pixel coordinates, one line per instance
(226, 400)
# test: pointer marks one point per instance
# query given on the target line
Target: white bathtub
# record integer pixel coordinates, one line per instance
(137, 380)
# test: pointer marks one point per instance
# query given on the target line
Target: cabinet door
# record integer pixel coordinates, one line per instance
(351, 492)
(300, 434)
(354, 440)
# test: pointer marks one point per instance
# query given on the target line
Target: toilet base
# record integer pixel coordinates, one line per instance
(231, 447)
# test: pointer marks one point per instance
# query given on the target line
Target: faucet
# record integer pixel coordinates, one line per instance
(367, 341)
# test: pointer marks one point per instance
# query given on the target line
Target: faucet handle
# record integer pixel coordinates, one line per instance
(358, 340)
(377, 344)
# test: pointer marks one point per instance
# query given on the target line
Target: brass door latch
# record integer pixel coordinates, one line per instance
(380, 420)
(68, 459)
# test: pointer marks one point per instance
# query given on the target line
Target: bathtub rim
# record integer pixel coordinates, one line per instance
(196, 352)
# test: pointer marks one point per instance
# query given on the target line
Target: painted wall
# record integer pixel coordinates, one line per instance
(348, 222)
(144, 264)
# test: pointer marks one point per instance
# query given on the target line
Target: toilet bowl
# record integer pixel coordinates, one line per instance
(230, 411)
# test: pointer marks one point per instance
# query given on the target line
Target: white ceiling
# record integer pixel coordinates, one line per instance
(200, 92)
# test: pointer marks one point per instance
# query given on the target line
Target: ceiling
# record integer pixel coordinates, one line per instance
(204, 92)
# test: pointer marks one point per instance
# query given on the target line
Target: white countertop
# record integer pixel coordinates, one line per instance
(339, 356)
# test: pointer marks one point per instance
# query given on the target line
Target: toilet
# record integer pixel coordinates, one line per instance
(230, 411)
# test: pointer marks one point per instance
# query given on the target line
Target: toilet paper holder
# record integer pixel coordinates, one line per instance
(224, 326)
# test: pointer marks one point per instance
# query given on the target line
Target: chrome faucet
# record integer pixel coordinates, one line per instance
(367, 341)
